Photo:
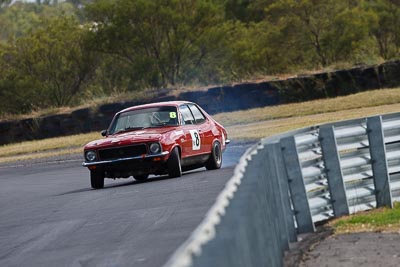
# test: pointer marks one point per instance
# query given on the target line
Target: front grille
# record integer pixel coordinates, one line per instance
(122, 152)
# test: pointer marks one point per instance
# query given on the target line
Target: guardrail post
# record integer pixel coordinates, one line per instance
(296, 186)
(334, 173)
(379, 164)
(277, 172)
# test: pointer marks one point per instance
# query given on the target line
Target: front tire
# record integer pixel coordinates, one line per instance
(174, 164)
(215, 160)
(96, 179)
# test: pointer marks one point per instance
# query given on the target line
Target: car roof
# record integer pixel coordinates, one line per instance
(157, 104)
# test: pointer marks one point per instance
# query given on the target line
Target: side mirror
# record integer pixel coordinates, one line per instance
(104, 133)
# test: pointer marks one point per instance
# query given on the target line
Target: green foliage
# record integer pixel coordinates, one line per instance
(245, 54)
(48, 67)
(21, 19)
(386, 26)
(163, 41)
(376, 218)
(50, 50)
(16, 94)
(325, 31)
(246, 10)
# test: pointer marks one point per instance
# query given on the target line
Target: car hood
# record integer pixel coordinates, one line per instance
(127, 138)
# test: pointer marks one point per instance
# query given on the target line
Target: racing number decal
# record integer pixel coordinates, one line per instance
(172, 115)
(196, 141)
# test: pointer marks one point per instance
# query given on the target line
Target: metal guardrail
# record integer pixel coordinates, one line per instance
(286, 183)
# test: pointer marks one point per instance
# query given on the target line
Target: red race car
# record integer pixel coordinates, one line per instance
(159, 138)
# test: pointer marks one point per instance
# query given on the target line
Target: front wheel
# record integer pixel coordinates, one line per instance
(174, 164)
(215, 160)
(97, 179)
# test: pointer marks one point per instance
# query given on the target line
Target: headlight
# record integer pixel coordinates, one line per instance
(90, 155)
(155, 148)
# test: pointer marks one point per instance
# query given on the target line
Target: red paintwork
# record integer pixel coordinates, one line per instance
(168, 136)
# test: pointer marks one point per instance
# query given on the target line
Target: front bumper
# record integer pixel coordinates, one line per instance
(121, 160)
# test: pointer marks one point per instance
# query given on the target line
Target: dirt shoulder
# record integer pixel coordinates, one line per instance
(353, 249)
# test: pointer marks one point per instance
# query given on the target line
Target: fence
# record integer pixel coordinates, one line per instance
(286, 183)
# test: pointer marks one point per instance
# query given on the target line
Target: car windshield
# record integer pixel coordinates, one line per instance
(145, 118)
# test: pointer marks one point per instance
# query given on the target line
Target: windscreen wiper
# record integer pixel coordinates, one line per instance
(156, 125)
(129, 129)
(134, 128)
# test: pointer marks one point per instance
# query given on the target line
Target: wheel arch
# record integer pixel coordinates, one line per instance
(179, 149)
(216, 139)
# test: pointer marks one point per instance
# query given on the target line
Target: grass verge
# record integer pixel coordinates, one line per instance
(372, 98)
(257, 130)
(45, 148)
(41, 155)
(241, 125)
(377, 220)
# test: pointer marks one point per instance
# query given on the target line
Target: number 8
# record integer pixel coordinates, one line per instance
(197, 139)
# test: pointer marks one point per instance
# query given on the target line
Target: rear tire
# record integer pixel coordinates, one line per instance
(141, 177)
(96, 179)
(215, 160)
(174, 164)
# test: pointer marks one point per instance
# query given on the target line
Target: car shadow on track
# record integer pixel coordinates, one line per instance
(130, 182)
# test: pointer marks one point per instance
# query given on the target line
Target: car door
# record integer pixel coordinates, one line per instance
(193, 139)
(204, 128)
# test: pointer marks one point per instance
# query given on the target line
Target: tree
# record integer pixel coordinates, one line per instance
(22, 18)
(54, 60)
(16, 94)
(386, 28)
(326, 30)
(163, 40)
(246, 10)
(4, 3)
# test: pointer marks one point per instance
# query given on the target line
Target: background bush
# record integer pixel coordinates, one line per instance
(59, 54)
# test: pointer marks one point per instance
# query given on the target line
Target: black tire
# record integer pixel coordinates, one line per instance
(141, 177)
(96, 179)
(174, 164)
(215, 160)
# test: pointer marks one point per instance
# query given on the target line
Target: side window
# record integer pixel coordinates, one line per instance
(186, 115)
(198, 116)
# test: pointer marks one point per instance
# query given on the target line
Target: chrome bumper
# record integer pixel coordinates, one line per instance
(87, 164)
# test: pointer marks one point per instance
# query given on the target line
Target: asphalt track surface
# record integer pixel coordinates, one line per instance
(49, 215)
